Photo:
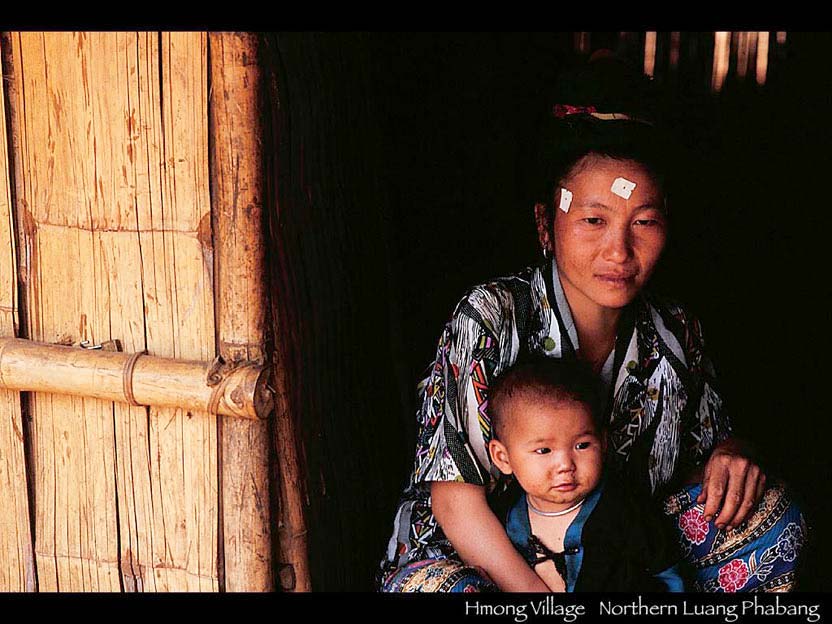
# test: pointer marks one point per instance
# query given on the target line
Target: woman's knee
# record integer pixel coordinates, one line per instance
(761, 554)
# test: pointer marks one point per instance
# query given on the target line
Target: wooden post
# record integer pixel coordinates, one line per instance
(291, 474)
(236, 156)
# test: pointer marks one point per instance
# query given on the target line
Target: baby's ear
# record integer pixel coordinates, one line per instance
(603, 436)
(499, 455)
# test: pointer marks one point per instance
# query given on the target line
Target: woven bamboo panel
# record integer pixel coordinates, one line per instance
(16, 557)
(113, 210)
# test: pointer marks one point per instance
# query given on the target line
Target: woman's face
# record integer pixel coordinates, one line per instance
(606, 246)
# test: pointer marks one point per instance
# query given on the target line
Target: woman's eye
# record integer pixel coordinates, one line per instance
(647, 222)
(542, 451)
(593, 220)
(583, 445)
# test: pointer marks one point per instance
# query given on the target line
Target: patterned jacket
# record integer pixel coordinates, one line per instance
(665, 412)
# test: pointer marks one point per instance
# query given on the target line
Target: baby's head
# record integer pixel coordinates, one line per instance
(548, 430)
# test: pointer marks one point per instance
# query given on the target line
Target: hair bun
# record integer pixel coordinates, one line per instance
(609, 84)
(601, 53)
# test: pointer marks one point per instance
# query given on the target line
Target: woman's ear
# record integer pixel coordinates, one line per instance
(499, 455)
(544, 227)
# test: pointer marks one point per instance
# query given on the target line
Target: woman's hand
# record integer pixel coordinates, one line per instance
(733, 482)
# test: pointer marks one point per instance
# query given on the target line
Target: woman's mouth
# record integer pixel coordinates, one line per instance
(618, 281)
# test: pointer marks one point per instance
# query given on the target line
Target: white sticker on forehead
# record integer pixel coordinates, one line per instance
(565, 199)
(623, 187)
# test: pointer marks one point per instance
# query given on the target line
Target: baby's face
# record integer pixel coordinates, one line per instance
(552, 448)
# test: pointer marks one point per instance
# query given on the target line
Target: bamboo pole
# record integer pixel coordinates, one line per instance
(236, 156)
(137, 379)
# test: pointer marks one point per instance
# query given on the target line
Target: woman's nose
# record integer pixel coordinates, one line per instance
(617, 245)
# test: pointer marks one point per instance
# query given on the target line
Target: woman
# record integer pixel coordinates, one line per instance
(602, 230)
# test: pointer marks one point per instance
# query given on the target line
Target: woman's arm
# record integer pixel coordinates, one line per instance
(454, 431)
(479, 537)
(732, 481)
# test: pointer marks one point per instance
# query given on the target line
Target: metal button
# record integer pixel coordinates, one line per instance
(573, 551)
(549, 343)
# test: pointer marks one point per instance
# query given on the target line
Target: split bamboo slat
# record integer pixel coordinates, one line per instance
(236, 114)
(110, 163)
(17, 571)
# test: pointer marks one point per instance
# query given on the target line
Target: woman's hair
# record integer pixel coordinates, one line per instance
(539, 376)
(605, 86)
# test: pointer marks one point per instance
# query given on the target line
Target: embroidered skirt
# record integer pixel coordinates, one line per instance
(437, 575)
(759, 555)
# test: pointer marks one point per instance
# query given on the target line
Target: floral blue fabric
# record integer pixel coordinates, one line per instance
(758, 555)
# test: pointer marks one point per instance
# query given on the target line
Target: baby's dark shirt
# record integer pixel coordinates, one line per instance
(617, 542)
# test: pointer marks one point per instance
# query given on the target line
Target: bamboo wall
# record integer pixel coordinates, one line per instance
(110, 185)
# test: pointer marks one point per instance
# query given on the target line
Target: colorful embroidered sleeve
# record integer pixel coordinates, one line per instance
(454, 427)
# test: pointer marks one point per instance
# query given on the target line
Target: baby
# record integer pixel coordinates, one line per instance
(579, 530)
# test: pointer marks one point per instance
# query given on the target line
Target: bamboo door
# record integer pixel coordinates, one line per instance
(107, 230)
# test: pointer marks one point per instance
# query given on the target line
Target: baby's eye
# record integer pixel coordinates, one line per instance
(583, 445)
(543, 451)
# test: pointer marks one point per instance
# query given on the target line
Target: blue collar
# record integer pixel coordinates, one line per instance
(518, 528)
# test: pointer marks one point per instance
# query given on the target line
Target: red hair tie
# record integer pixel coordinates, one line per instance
(563, 110)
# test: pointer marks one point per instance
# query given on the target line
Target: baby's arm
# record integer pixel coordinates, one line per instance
(478, 536)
